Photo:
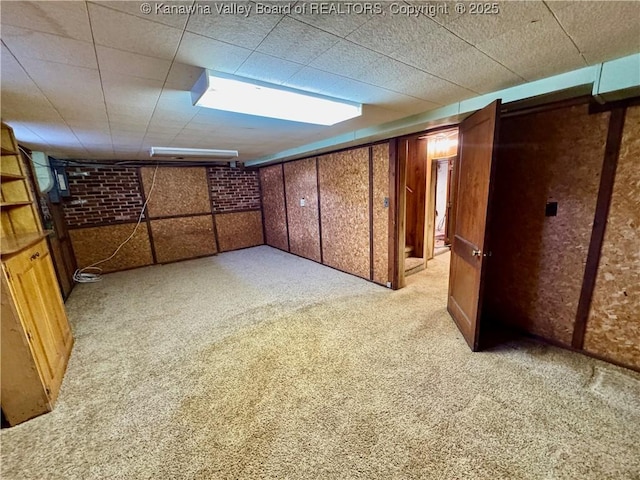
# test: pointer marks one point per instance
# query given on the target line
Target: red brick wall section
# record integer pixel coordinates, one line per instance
(102, 195)
(234, 189)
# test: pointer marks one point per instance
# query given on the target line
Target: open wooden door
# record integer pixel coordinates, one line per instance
(469, 247)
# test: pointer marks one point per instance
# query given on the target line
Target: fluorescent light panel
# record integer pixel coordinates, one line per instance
(192, 153)
(236, 94)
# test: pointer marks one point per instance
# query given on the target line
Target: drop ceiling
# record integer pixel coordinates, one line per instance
(103, 80)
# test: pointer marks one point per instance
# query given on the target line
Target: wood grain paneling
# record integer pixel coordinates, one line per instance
(177, 191)
(417, 168)
(536, 271)
(97, 243)
(344, 210)
(239, 230)
(301, 182)
(613, 327)
(273, 207)
(380, 212)
(182, 238)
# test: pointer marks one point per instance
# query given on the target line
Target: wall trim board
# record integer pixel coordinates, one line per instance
(393, 201)
(213, 218)
(400, 211)
(370, 213)
(603, 203)
(147, 220)
(168, 217)
(190, 258)
(319, 209)
(595, 108)
(286, 210)
(264, 229)
(102, 224)
(514, 110)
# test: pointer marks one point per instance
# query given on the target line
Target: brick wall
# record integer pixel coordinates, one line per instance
(234, 189)
(102, 195)
(112, 194)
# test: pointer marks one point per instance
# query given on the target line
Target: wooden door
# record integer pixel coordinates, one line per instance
(469, 249)
(42, 313)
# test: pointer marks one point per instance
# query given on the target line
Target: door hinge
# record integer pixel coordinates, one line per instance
(29, 337)
(46, 389)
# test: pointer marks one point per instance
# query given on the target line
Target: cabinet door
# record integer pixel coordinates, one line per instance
(41, 313)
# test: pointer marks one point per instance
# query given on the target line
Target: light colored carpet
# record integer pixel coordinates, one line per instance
(258, 364)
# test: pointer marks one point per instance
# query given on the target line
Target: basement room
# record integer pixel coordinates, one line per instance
(320, 240)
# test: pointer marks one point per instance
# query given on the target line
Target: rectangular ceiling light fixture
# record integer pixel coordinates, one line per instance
(182, 153)
(241, 95)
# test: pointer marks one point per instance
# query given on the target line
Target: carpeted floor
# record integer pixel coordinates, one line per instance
(258, 364)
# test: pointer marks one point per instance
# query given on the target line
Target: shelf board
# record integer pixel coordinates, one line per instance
(14, 204)
(17, 243)
(6, 177)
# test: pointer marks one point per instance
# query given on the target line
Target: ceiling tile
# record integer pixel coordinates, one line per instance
(89, 136)
(27, 137)
(77, 114)
(339, 24)
(488, 75)
(442, 12)
(346, 58)
(17, 84)
(205, 52)
(66, 19)
(128, 90)
(162, 12)
(66, 84)
(390, 33)
(267, 68)
(296, 41)
(136, 65)
(435, 47)
(29, 44)
(477, 28)
(585, 24)
(238, 29)
(133, 34)
(554, 52)
(139, 120)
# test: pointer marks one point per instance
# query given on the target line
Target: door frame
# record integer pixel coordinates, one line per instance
(398, 181)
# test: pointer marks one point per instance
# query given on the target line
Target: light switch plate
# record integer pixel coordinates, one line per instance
(303, 202)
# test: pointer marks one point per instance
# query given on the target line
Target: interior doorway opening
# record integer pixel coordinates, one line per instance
(428, 196)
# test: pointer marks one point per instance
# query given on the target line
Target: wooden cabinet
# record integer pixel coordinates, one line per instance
(36, 338)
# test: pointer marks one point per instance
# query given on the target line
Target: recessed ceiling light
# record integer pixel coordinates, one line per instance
(241, 95)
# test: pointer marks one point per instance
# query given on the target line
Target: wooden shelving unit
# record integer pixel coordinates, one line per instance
(36, 340)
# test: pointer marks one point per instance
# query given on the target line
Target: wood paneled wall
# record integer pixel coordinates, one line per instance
(94, 244)
(380, 212)
(613, 326)
(304, 220)
(274, 208)
(344, 210)
(344, 222)
(190, 214)
(182, 194)
(417, 183)
(537, 266)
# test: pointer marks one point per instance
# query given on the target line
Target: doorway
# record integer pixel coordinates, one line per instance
(428, 163)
